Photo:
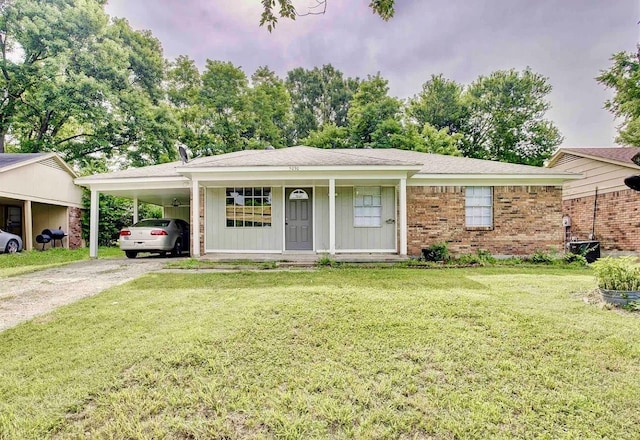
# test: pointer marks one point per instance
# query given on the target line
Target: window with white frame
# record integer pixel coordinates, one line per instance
(479, 207)
(248, 207)
(367, 207)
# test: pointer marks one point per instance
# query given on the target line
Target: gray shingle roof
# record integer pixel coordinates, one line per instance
(618, 154)
(11, 159)
(309, 156)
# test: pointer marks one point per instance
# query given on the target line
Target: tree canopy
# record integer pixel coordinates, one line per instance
(76, 81)
(623, 77)
(274, 9)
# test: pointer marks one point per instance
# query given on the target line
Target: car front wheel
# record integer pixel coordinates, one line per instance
(12, 247)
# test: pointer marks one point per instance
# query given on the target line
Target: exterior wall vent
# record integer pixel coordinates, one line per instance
(52, 163)
(566, 159)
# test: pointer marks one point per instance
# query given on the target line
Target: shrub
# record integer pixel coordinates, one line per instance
(622, 273)
(326, 261)
(576, 259)
(436, 252)
(541, 257)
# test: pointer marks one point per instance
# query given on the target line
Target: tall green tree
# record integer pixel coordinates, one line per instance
(224, 101)
(374, 116)
(623, 77)
(183, 88)
(319, 96)
(270, 106)
(75, 83)
(506, 119)
(439, 104)
(36, 39)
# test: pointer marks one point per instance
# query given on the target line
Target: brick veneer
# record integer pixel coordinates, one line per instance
(201, 215)
(617, 224)
(75, 228)
(526, 219)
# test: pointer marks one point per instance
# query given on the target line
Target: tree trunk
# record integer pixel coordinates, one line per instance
(2, 136)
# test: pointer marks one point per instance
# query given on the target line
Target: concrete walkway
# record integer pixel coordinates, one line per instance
(25, 296)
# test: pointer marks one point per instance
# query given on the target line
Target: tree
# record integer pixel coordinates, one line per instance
(439, 141)
(506, 118)
(439, 104)
(374, 117)
(224, 102)
(270, 107)
(624, 78)
(383, 8)
(75, 83)
(319, 96)
(329, 136)
(36, 38)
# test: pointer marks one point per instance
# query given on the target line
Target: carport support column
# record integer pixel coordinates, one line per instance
(135, 210)
(195, 218)
(94, 211)
(28, 226)
(403, 216)
(332, 216)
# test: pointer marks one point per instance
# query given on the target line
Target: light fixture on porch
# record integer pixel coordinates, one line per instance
(175, 203)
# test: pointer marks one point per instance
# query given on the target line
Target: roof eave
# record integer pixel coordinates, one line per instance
(555, 157)
(495, 179)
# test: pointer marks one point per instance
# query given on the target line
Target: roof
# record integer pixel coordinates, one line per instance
(620, 155)
(302, 156)
(9, 161)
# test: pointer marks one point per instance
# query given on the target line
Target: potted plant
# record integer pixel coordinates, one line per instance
(618, 279)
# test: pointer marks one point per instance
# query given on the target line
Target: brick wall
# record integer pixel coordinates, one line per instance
(201, 214)
(617, 224)
(525, 219)
(75, 228)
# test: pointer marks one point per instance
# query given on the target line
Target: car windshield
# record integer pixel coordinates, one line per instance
(152, 223)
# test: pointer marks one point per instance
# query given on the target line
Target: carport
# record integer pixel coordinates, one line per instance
(158, 185)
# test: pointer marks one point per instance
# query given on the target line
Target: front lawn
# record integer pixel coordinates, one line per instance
(334, 353)
(31, 261)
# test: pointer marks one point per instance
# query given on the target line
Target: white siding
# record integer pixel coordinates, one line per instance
(41, 183)
(219, 237)
(607, 177)
(349, 237)
(181, 212)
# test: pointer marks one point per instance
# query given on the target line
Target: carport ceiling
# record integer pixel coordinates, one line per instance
(160, 197)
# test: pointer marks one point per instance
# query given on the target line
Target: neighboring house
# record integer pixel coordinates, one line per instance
(37, 192)
(304, 199)
(600, 205)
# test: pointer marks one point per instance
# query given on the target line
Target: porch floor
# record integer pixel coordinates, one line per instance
(305, 257)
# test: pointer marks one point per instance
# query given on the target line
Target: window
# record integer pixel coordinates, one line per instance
(367, 207)
(248, 207)
(479, 207)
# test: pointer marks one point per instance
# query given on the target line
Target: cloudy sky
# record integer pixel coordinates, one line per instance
(568, 41)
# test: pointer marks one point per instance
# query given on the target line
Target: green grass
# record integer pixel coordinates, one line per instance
(31, 261)
(338, 353)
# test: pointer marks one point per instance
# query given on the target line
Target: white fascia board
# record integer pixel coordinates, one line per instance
(46, 201)
(491, 179)
(300, 175)
(134, 183)
(297, 168)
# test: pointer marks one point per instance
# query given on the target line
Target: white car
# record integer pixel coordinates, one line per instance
(159, 235)
(10, 243)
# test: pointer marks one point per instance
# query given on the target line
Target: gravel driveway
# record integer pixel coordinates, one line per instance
(25, 296)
